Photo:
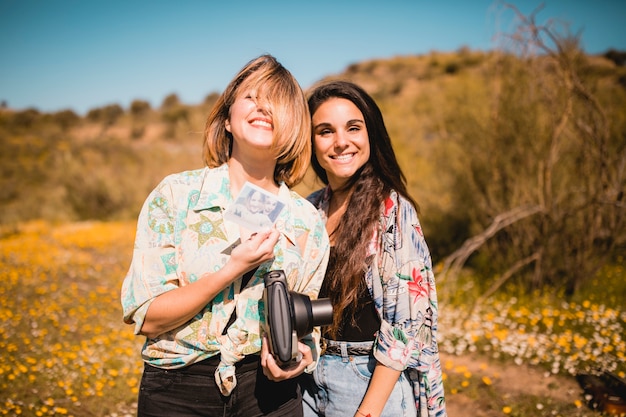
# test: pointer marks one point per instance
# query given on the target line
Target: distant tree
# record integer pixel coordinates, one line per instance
(618, 57)
(111, 113)
(106, 115)
(139, 108)
(173, 117)
(170, 101)
(543, 176)
(94, 115)
(174, 113)
(65, 119)
(26, 118)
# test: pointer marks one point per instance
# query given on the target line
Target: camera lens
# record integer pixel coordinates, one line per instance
(309, 313)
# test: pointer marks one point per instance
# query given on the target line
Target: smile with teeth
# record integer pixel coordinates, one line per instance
(343, 157)
(261, 123)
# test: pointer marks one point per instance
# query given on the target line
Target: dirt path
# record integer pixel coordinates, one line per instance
(509, 381)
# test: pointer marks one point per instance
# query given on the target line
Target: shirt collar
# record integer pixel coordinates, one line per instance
(214, 190)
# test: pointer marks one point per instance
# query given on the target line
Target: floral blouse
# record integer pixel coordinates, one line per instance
(402, 285)
(181, 235)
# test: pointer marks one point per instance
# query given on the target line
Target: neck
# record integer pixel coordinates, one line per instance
(336, 208)
(260, 174)
(339, 200)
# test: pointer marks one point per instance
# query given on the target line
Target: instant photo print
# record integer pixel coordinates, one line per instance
(254, 208)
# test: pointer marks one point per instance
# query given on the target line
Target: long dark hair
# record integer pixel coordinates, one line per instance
(370, 186)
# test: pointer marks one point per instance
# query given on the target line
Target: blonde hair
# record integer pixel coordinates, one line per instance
(284, 99)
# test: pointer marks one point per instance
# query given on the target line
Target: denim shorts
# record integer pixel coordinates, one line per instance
(338, 385)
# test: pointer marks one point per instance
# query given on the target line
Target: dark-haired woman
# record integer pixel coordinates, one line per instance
(380, 355)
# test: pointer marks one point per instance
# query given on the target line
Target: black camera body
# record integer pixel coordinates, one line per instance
(290, 315)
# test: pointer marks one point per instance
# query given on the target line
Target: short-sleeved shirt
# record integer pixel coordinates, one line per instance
(182, 235)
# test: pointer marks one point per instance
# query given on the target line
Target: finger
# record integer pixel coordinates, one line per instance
(267, 360)
(271, 369)
(307, 354)
(265, 352)
(275, 233)
(269, 242)
(261, 234)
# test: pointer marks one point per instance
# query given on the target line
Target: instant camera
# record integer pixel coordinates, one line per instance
(290, 315)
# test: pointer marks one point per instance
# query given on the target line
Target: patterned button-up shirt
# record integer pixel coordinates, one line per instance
(402, 285)
(181, 235)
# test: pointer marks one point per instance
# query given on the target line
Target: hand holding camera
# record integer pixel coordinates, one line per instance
(274, 371)
(290, 316)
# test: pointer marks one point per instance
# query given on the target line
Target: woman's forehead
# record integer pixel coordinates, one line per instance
(254, 86)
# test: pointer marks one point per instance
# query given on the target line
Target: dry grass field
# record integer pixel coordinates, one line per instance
(66, 351)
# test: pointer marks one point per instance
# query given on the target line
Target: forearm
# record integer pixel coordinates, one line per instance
(379, 390)
(176, 307)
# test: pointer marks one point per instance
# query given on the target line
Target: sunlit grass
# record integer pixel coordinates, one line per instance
(66, 351)
(586, 334)
(65, 348)
(566, 337)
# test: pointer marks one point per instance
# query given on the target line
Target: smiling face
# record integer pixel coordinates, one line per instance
(269, 205)
(340, 140)
(255, 202)
(250, 124)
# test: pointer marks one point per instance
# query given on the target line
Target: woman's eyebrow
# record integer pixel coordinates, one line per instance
(323, 124)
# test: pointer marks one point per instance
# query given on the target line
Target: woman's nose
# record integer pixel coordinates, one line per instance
(261, 106)
(341, 141)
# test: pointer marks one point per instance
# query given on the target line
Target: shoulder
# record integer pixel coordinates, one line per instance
(179, 188)
(190, 177)
(302, 204)
(398, 206)
(317, 197)
(400, 217)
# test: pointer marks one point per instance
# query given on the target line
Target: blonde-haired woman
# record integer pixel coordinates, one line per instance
(196, 279)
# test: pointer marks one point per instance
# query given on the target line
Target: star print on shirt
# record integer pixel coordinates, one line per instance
(207, 229)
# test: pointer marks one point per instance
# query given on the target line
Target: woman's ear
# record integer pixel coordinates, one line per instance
(227, 125)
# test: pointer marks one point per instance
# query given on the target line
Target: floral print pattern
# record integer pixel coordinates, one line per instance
(402, 284)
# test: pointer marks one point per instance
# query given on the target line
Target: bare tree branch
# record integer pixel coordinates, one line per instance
(503, 278)
(455, 261)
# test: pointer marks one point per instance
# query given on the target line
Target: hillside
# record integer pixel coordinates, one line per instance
(148, 143)
(519, 153)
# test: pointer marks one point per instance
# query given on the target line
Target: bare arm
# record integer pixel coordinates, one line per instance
(174, 308)
(378, 392)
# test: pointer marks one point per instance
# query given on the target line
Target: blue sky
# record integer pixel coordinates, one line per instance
(82, 54)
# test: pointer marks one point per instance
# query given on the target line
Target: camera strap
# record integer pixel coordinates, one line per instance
(244, 281)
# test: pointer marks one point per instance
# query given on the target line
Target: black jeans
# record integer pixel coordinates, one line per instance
(192, 391)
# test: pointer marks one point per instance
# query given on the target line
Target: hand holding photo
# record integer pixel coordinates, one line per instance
(254, 208)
